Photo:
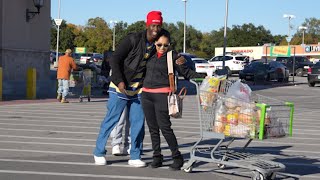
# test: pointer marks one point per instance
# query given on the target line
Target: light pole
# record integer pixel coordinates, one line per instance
(289, 16)
(303, 28)
(184, 27)
(58, 33)
(225, 35)
(114, 34)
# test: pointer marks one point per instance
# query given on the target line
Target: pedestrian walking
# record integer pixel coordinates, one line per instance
(155, 90)
(117, 135)
(65, 65)
(128, 64)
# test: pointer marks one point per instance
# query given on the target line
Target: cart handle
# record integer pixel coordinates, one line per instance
(291, 105)
(198, 80)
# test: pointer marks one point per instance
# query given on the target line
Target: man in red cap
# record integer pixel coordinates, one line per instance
(128, 64)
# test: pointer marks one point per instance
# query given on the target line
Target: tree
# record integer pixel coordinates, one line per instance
(98, 35)
(248, 35)
(66, 36)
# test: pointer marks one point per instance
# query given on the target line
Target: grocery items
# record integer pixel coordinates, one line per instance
(208, 90)
(240, 91)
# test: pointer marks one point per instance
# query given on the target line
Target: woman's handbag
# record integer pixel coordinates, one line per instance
(174, 100)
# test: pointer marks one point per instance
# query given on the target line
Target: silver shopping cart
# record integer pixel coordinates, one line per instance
(80, 84)
(227, 119)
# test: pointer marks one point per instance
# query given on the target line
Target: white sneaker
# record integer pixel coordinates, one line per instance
(116, 150)
(126, 150)
(100, 160)
(137, 163)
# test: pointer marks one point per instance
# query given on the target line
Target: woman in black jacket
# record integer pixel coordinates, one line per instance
(154, 100)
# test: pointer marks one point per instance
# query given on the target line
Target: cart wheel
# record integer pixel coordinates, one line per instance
(80, 99)
(257, 176)
(188, 170)
(89, 99)
(221, 166)
(271, 176)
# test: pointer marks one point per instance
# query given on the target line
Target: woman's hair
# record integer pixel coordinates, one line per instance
(164, 33)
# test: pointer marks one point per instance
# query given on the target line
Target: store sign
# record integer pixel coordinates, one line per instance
(309, 49)
(280, 51)
(80, 50)
(242, 51)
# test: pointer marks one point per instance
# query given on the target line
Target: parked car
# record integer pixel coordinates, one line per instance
(53, 56)
(233, 62)
(76, 57)
(271, 70)
(97, 58)
(86, 58)
(202, 66)
(301, 64)
(314, 75)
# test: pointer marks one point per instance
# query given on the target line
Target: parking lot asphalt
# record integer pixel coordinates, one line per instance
(44, 139)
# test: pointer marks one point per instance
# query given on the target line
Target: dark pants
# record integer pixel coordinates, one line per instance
(155, 107)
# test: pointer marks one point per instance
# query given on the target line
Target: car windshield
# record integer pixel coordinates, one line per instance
(302, 59)
(98, 56)
(275, 64)
(242, 58)
(255, 65)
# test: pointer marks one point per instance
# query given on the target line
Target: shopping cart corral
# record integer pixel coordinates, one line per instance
(80, 84)
(227, 119)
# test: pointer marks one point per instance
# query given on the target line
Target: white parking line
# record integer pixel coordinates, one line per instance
(81, 175)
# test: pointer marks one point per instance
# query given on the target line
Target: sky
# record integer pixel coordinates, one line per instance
(203, 15)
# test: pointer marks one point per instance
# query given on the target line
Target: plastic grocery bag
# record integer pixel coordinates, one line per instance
(209, 88)
(212, 84)
(240, 91)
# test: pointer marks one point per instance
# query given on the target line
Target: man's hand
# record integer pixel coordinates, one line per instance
(122, 87)
(181, 60)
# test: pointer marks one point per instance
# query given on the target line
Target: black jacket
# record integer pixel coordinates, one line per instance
(126, 59)
(157, 71)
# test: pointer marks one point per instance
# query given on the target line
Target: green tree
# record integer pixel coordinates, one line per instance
(248, 35)
(98, 35)
(312, 33)
(66, 36)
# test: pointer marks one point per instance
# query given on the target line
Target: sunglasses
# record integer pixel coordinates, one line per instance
(164, 45)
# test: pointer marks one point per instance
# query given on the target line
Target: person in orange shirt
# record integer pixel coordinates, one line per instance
(65, 65)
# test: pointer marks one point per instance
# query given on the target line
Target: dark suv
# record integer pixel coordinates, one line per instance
(301, 66)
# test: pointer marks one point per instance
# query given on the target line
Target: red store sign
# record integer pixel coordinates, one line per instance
(242, 51)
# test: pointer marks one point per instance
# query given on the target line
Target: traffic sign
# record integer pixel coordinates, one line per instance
(58, 21)
(288, 39)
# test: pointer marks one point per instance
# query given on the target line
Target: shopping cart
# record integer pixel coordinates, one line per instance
(226, 118)
(80, 84)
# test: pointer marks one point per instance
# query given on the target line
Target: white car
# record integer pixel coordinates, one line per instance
(233, 62)
(202, 66)
(85, 58)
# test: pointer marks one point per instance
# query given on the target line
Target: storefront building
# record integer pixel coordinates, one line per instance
(24, 43)
(312, 51)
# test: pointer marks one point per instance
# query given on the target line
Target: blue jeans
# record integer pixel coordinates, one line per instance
(115, 108)
(63, 87)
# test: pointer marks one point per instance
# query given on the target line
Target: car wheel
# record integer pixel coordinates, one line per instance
(311, 84)
(299, 72)
(286, 79)
(280, 80)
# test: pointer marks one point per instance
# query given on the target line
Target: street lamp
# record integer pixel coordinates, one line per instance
(114, 34)
(184, 27)
(58, 32)
(303, 28)
(225, 35)
(289, 16)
